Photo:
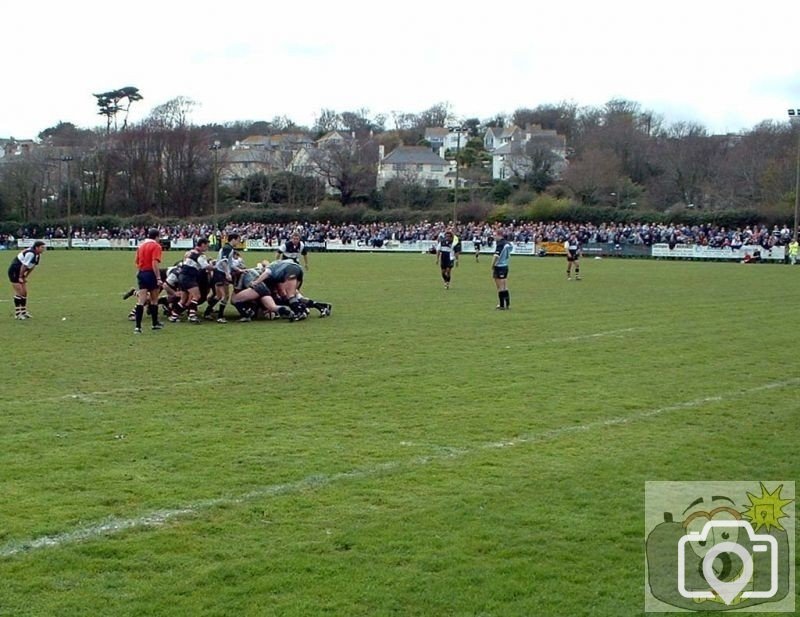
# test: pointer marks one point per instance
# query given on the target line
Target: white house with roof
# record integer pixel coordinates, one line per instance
(416, 164)
(497, 136)
(442, 138)
(513, 155)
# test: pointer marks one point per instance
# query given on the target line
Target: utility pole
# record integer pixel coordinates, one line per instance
(68, 160)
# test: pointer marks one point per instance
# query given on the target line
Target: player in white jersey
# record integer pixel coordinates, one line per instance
(18, 272)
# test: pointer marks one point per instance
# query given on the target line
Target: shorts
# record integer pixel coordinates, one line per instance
(14, 272)
(147, 280)
(187, 281)
(500, 272)
(262, 289)
(446, 263)
(572, 257)
(218, 278)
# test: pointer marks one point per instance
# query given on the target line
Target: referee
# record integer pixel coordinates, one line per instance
(148, 262)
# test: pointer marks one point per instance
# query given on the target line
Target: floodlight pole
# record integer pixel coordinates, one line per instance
(458, 152)
(68, 159)
(215, 149)
(794, 119)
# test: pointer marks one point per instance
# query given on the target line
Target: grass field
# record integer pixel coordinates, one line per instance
(418, 453)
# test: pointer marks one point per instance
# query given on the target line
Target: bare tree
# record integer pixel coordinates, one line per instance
(327, 121)
(593, 176)
(348, 166)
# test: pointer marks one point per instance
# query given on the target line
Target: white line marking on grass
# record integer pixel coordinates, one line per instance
(159, 518)
(93, 397)
(581, 337)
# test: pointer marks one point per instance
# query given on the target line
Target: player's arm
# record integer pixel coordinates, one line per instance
(156, 265)
(261, 277)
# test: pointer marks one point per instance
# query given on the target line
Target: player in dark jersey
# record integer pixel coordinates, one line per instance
(18, 272)
(193, 281)
(573, 248)
(293, 249)
(445, 256)
(222, 278)
(502, 254)
(280, 280)
(477, 242)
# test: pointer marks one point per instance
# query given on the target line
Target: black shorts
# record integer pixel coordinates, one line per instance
(14, 271)
(445, 262)
(500, 272)
(572, 257)
(187, 280)
(262, 289)
(218, 278)
(147, 280)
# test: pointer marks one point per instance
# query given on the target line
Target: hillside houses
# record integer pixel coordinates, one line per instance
(414, 164)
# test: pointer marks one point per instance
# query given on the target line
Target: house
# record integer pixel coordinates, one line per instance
(416, 164)
(443, 139)
(305, 162)
(280, 141)
(237, 164)
(16, 147)
(512, 156)
(497, 136)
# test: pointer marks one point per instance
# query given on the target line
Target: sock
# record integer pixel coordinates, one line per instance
(18, 308)
(500, 298)
(221, 309)
(242, 308)
(507, 297)
(577, 270)
(153, 310)
(139, 314)
(210, 308)
(192, 309)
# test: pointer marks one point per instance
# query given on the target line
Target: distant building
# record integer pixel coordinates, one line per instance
(514, 150)
(415, 164)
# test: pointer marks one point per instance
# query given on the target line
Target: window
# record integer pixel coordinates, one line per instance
(438, 168)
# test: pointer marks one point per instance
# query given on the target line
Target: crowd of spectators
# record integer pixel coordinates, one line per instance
(376, 234)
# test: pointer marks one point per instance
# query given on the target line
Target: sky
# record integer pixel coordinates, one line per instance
(727, 65)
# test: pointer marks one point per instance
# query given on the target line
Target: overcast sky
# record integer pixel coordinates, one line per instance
(727, 65)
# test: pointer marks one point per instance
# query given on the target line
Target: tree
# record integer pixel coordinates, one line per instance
(594, 176)
(174, 114)
(327, 121)
(434, 116)
(687, 160)
(349, 166)
(65, 134)
(111, 103)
